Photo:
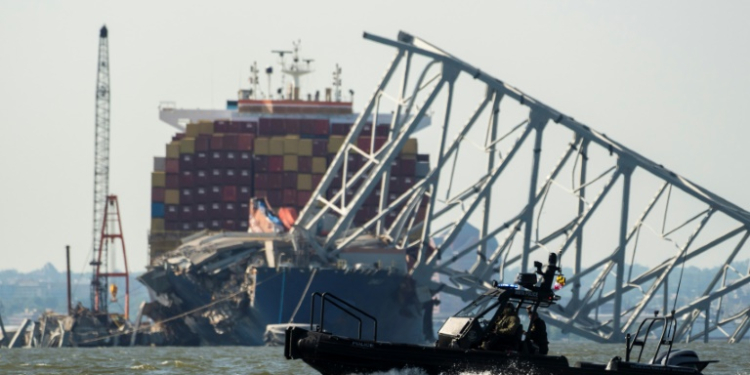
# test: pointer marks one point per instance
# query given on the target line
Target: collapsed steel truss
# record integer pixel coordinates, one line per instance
(481, 177)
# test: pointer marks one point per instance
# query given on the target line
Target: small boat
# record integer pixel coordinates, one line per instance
(459, 347)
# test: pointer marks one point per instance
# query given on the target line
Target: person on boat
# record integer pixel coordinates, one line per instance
(506, 334)
(537, 334)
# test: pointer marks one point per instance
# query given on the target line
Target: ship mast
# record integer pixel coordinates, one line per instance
(295, 69)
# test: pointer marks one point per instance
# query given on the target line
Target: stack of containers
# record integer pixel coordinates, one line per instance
(211, 171)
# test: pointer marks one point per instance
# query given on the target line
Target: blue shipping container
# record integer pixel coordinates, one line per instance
(157, 209)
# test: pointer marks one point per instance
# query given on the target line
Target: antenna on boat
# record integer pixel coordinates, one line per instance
(282, 63)
(254, 79)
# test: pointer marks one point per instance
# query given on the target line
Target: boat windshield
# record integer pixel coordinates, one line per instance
(478, 307)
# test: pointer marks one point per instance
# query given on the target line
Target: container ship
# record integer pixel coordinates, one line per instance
(224, 265)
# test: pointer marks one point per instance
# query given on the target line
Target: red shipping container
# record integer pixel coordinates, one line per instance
(172, 181)
(201, 178)
(321, 127)
(186, 179)
(200, 211)
(275, 163)
(340, 129)
(229, 194)
(304, 164)
(203, 143)
(373, 200)
(215, 194)
(261, 181)
(214, 224)
(303, 197)
(245, 142)
(171, 212)
(291, 126)
(231, 159)
(316, 178)
(408, 167)
(186, 162)
(275, 197)
(229, 210)
(244, 193)
(260, 194)
(245, 177)
(229, 225)
(306, 126)
(186, 196)
(260, 163)
(202, 160)
(230, 142)
(396, 185)
(217, 142)
(396, 167)
(187, 213)
(408, 182)
(249, 127)
(320, 147)
(172, 165)
(289, 197)
(290, 180)
(157, 194)
(230, 177)
(264, 127)
(353, 162)
(217, 176)
(217, 159)
(275, 181)
(178, 136)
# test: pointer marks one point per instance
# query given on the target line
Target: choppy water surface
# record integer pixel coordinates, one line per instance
(264, 360)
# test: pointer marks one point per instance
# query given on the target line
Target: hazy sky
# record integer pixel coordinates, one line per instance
(668, 79)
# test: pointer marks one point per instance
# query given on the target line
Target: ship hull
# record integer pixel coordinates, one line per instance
(229, 314)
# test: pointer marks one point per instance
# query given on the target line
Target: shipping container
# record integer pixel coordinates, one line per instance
(289, 180)
(245, 159)
(187, 162)
(217, 176)
(408, 167)
(201, 195)
(215, 193)
(275, 181)
(320, 147)
(304, 181)
(245, 142)
(187, 146)
(214, 224)
(275, 163)
(192, 130)
(216, 210)
(291, 163)
(205, 127)
(230, 142)
(261, 181)
(173, 150)
(339, 129)
(157, 209)
(157, 225)
(319, 165)
(171, 211)
(245, 176)
(289, 198)
(316, 178)
(410, 147)
(304, 164)
(302, 198)
(262, 146)
(186, 179)
(304, 147)
(203, 143)
(200, 211)
(230, 176)
(231, 159)
(275, 197)
(291, 144)
(229, 210)
(157, 194)
(172, 181)
(229, 194)
(186, 196)
(217, 142)
(291, 126)
(335, 143)
(158, 179)
(260, 163)
(172, 165)
(276, 146)
(201, 177)
(202, 160)
(159, 164)
(186, 213)
(248, 127)
(229, 225)
(244, 193)
(199, 225)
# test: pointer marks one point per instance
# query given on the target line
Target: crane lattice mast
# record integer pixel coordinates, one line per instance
(101, 164)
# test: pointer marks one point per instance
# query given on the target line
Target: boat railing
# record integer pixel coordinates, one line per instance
(668, 324)
(346, 308)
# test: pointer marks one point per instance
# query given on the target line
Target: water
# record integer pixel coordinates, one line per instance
(270, 360)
